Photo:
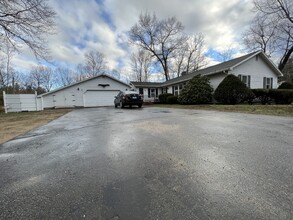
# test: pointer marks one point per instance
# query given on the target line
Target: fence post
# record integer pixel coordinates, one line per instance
(36, 101)
(4, 102)
(42, 103)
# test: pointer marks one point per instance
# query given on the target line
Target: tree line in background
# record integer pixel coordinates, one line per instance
(25, 24)
(162, 45)
(42, 78)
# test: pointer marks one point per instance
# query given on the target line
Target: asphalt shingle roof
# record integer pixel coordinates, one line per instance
(221, 67)
(210, 70)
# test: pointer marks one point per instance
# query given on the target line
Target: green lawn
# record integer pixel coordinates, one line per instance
(279, 110)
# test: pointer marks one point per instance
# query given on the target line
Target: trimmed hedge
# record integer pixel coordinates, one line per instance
(172, 99)
(163, 97)
(233, 91)
(282, 96)
(278, 96)
(197, 91)
(286, 85)
(263, 95)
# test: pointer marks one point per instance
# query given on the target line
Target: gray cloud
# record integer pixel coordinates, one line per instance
(83, 27)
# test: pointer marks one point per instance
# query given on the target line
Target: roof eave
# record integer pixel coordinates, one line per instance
(189, 78)
(243, 61)
(268, 61)
(275, 68)
(76, 83)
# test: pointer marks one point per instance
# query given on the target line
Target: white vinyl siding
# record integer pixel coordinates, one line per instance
(257, 70)
(79, 95)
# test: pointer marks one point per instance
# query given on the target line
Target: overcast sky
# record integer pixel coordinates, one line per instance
(84, 25)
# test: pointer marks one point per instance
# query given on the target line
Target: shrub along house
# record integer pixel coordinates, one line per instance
(256, 70)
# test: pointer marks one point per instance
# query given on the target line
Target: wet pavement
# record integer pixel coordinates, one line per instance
(150, 163)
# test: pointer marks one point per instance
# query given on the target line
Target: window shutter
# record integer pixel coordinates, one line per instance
(264, 82)
(248, 81)
(271, 83)
(156, 92)
(149, 93)
(173, 90)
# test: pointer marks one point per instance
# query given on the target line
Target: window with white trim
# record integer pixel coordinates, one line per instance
(176, 91)
(267, 83)
(245, 79)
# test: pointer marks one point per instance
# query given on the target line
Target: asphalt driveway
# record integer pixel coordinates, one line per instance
(150, 163)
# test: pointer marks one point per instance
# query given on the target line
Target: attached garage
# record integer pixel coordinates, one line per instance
(94, 98)
(94, 92)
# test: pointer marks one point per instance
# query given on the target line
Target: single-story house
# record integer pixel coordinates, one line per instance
(255, 69)
(96, 91)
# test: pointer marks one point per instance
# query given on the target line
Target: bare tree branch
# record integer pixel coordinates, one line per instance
(42, 77)
(160, 37)
(26, 23)
(140, 65)
(271, 29)
(64, 76)
(190, 56)
(95, 63)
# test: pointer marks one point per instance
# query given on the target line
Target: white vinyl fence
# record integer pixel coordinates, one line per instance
(22, 102)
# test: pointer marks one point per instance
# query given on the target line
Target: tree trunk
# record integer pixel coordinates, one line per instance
(166, 70)
(285, 59)
(13, 85)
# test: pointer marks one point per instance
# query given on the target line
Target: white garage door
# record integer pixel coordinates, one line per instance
(99, 98)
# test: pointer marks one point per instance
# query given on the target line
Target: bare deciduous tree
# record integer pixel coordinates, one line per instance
(262, 34)
(140, 65)
(42, 77)
(3, 76)
(64, 76)
(80, 73)
(160, 37)
(26, 22)
(36, 77)
(288, 70)
(9, 76)
(48, 78)
(95, 63)
(271, 29)
(190, 57)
